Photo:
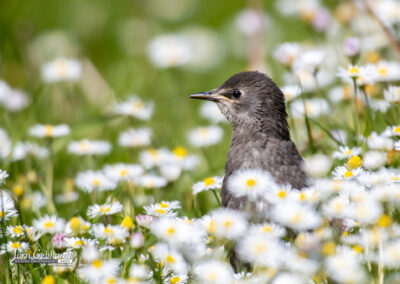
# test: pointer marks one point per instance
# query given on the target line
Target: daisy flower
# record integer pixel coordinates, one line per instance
(91, 180)
(291, 92)
(261, 251)
(145, 220)
(123, 172)
(318, 165)
(5, 144)
(3, 176)
(336, 207)
(49, 224)
(397, 146)
(345, 152)
(152, 181)
(158, 210)
(22, 231)
(181, 157)
(13, 247)
(28, 149)
(105, 209)
(97, 270)
(205, 136)
(210, 111)
(7, 209)
(170, 171)
(344, 173)
(373, 160)
(268, 229)
(154, 157)
(226, 223)
(77, 225)
(169, 257)
(49, 131)
(391, 254)
(100, 231)
(250, 183)
(392, 131)
(134, 107)
(89, 147)
(61, 69)
(287, 53)
(352, 71)
(392, 94)
(169, 50)
(78, 243)
(132, 138)
(207, 184)
(296, 216)
(379, 142)
(213, 272)
(138, 271)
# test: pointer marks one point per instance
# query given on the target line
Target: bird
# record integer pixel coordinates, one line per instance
(256, 108)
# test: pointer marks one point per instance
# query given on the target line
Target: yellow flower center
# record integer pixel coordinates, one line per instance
(163, 205)
(104, 209)
(18, 230)
(78, 243)
(348, 174)
(250, 182)
(75, 224)
(302, 196)
(260, 248)
(17, 189)
(211, 227)
(174, 280)
(397, 129)
(83, 146)
(384, 221)
(297, 218)
(154, 153)
(137, 106)
(123, 173)
(97, 263)
(354, 162)
(49, 130)
(227, 223)
(354, 70)
(357, 249)
(161, 211)
(111, 280)
(49, 224)
(171, 231)
(329, 248)
(382, 71)
(96, 182)
(16, 245)
(209, 181)
(1, 214)
(348, 152)
(267, 229)
(282, 194)
(180, 152)
(170, 259)
(108, 230)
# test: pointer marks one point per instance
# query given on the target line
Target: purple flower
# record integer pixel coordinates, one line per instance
(322, 19)
(58, 240)
(351, 46)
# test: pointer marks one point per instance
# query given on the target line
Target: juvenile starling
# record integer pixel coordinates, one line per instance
(256, 108)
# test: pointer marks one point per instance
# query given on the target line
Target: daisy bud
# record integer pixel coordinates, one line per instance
(352, 46)
(137, 240)
(354, 162)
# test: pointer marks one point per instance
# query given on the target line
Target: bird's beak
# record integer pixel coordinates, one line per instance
(209, 96)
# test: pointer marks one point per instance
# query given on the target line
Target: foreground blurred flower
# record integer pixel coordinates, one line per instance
(205, 136)
(97, 270)
(345, 152)
(49, 224)
(207, 184)
(105, 209)
(169, 257)
(135, 137)
(89, 147)
(213, 272)
(318, 165)
(61, 69)
(210, 111)
(296, 216)
(226, 223)
(135, 107)
(286, 53)
(49, 131)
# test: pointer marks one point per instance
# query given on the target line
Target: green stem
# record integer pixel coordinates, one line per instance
(216, 197)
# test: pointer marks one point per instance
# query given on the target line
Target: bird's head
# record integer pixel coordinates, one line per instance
(251, 100)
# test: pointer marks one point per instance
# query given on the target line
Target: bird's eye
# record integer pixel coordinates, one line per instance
(236, 94)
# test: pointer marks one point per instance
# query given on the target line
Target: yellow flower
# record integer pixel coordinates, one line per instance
(384, 221)
(127, 223)
(48, 279)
